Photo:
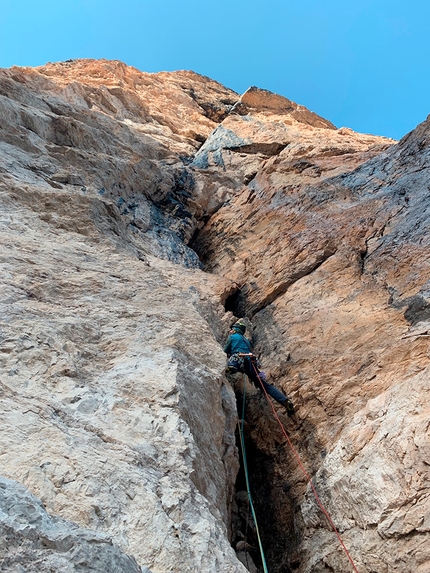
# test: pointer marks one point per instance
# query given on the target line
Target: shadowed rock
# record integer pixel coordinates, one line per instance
(117, 187)
(32, 540)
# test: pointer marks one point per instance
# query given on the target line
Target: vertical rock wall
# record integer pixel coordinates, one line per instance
(333, 269)
(115, 410)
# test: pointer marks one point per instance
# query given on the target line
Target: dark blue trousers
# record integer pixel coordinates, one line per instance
(252, 372)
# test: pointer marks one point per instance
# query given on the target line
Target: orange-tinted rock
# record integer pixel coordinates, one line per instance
(115, 408)
(329, 246)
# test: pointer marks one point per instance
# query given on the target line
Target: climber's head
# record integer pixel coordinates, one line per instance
(239, 327)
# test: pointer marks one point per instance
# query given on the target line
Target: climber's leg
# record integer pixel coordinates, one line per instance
(259, 379)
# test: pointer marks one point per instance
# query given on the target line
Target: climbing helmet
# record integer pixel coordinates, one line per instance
(239, 326)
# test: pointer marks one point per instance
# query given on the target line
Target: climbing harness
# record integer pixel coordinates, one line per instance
(307, 476)
(235, 363)
(245, 467)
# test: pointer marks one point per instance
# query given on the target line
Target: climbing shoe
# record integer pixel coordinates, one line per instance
(288, 405)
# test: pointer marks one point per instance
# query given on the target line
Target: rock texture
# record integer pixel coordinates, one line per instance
(45, 543)
(139, 214)
(332, 261)
(115, 411)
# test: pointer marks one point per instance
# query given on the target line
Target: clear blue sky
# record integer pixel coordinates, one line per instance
(359, 63)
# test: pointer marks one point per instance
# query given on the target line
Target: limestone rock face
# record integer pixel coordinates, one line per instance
(332, 258)
(45, 543)
(115, 410)
(114, 136)
(140, 214)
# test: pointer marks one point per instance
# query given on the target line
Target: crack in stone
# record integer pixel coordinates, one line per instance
(283, 287)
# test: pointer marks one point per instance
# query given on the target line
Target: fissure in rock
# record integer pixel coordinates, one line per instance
(274, 494)
(116, 187)
(273, 500)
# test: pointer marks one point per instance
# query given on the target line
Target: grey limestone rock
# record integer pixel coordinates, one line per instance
(31, 540)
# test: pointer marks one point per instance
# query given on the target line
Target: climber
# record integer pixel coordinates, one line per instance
(240, 358)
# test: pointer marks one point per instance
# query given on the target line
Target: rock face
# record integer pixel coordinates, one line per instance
(333, 263)
(115, 410)
(139, 214)
(44, 543)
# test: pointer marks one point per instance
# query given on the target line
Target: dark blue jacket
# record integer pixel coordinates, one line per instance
(237, 343)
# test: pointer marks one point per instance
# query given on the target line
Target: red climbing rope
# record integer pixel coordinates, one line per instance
(305, 473)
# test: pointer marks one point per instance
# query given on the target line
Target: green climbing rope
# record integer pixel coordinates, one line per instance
(245, 467)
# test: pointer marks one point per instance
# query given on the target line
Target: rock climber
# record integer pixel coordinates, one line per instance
(236, 346)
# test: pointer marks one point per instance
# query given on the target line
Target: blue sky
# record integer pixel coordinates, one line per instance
(363, 64)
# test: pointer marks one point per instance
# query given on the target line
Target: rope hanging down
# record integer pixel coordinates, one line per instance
(245, 467)
(305, 473)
